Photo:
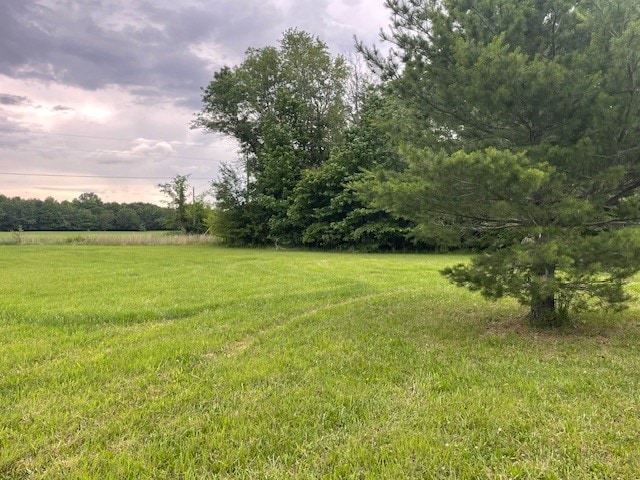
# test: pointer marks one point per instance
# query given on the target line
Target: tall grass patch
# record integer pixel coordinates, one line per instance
(106, 238)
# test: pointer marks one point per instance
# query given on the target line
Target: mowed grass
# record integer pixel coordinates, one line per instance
(203, 362)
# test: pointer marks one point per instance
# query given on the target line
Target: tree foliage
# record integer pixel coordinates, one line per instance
(188, 216)
(238, 219)
(286, 108)
(532, 108)
(307, 124)
(87, 212)
(327, 209)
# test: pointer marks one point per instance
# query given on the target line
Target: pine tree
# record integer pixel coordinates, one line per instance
(534, 111)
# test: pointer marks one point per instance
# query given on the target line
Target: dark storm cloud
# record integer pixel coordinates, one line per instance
(71, 45)
(138, 44)
(8, 99)
(232, 24)
(21, 39)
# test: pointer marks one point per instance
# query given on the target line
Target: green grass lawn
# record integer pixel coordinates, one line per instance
(203, 362)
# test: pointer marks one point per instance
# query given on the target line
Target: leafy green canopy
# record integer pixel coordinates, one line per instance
(286, 108)
(87, 212)
(533, 109)
(307, 123)
(328, 211)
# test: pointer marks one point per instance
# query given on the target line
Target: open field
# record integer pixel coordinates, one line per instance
(203, 362)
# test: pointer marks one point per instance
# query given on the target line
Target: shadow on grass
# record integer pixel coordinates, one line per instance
(600, 325)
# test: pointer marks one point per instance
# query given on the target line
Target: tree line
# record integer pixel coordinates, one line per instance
(86, 212)
(508, 126)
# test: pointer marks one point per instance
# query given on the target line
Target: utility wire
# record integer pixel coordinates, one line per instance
(187, 144)
(109, 152)
(90, 176)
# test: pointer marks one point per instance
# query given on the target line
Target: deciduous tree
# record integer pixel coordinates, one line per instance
(286, 108)
(327, 209)
(188, 216)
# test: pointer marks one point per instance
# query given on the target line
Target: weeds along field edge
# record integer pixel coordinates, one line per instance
(149, 238)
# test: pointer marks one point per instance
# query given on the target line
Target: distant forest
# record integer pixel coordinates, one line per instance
(87, 212)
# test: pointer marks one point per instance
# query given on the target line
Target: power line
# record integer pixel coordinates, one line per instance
(139, 154)
(90, 176)
(95, 137)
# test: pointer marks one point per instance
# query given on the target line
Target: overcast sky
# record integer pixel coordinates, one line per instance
(109, 87)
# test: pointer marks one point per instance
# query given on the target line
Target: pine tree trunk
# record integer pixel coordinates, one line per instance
(543, 311)
(543, 303)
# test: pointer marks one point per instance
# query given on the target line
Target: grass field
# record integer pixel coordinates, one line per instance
(202, 362)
